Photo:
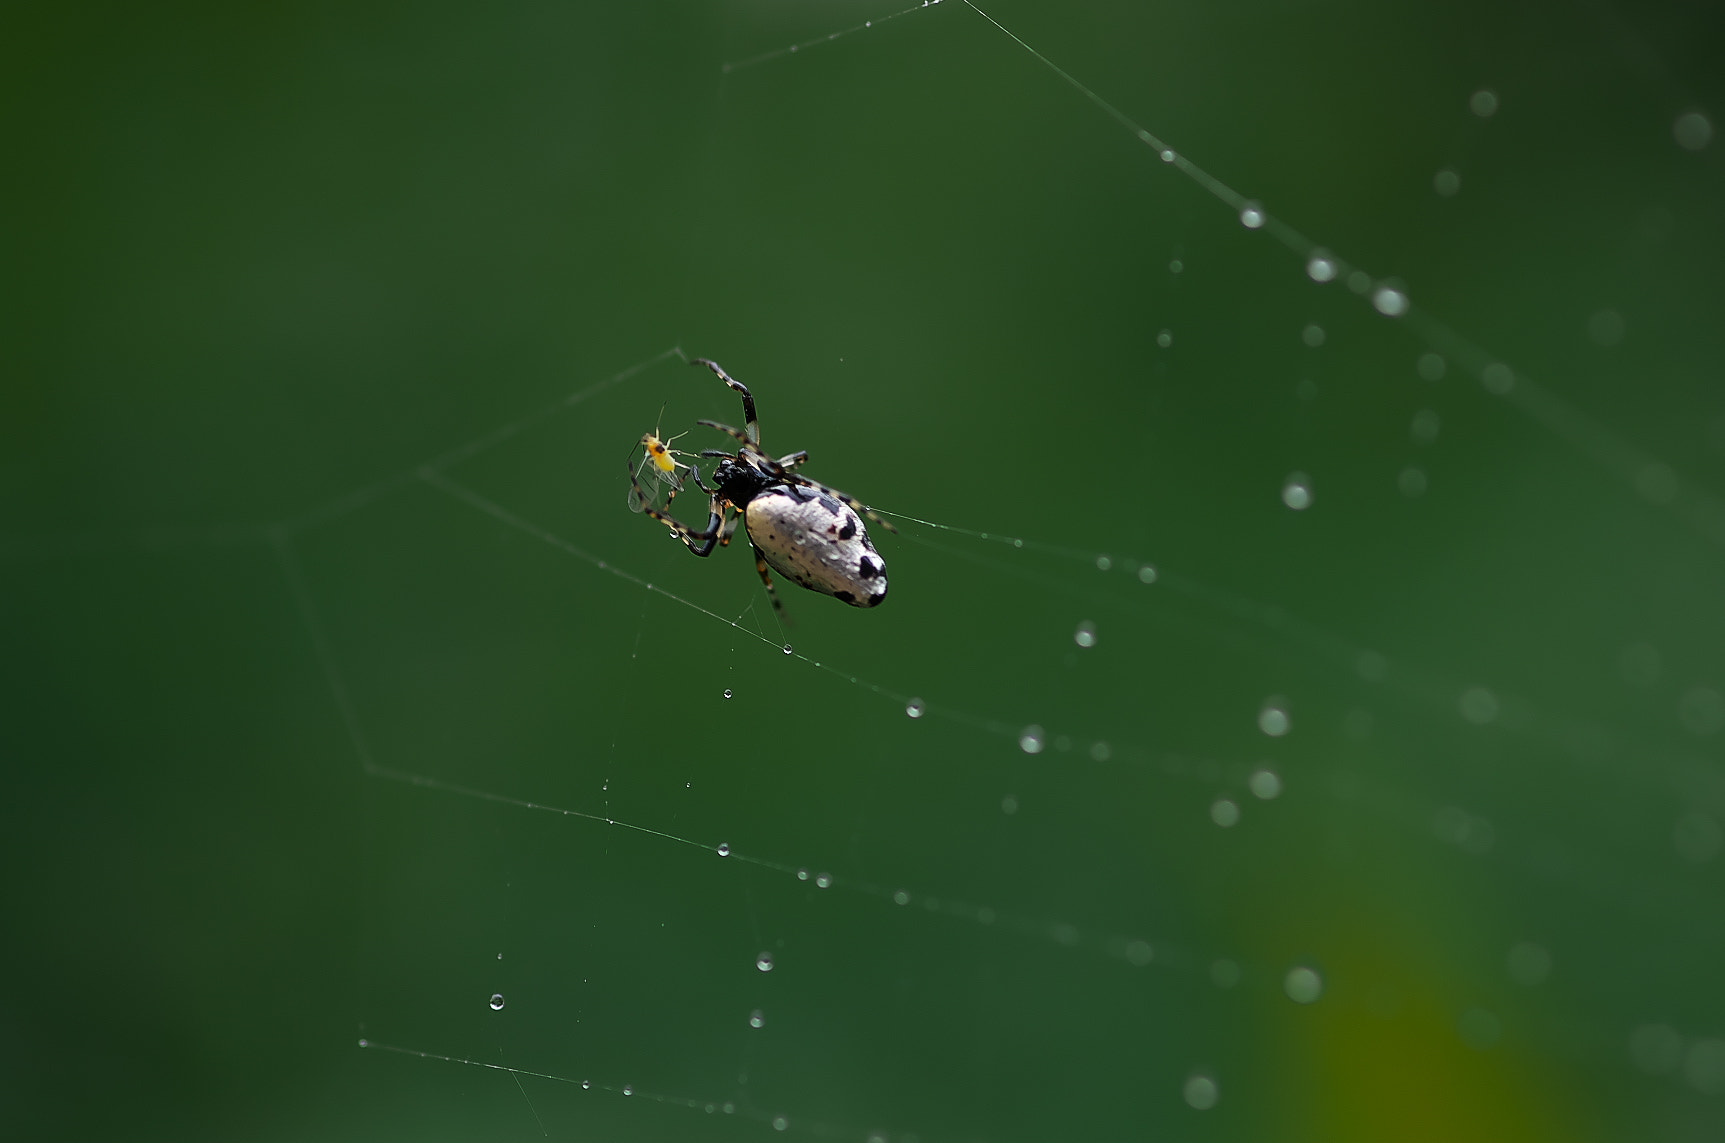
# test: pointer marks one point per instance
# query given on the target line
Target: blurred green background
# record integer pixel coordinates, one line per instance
(266, 264)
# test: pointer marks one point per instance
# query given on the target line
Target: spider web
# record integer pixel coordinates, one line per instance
(1297, 713)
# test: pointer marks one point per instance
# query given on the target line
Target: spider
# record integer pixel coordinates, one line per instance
(808, 532)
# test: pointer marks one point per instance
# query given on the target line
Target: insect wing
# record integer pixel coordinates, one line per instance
(650, 482)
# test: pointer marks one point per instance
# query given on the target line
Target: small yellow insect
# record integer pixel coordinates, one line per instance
(661, 463)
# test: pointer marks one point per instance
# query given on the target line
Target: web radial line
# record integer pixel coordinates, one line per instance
(1133, 950)
(1656, 481)
(1694, 507)
(964, 718)
(1368, 668)
(426, 782)
(497, 511)
(282, 544)
(73, 545)
(739, 65)
(729, 1108)
(358, 498)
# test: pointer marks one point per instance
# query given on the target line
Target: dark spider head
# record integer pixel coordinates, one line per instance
(740, 481)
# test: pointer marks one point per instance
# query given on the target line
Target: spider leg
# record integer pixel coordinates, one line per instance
(728, 529)
(766, 578)
(856, 505)
(700, 542)
(750, 421)
(789, 462)
(727, 430)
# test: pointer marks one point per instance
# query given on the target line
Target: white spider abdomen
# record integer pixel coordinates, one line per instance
(819, 542)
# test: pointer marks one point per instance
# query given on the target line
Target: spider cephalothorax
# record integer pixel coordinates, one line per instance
(808, 532)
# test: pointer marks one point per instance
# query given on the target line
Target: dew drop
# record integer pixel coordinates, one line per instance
(764, 962)
(727, 692)
(1303, 985)
(1359, 281)
(787, 648)
(1103, 563)
(1389, 301)
(497, 1001)
(1297, 491)
(1031, 740)
(1430, 367)
(1101, 751)
(1479, 1029)
(1446, 182)
(802, 875)
(1147, 574)
(1264, 783)
(1702, 711)
(1704, 1066)
(1273, 719)
(1252, 215)
(1640, 665)
(1313, 335)
(723, 849)
(1657, 482)
(1606, 327)
(628, 1089)
(900, 897)
(1483, 103)
(1478, 705)
(1321, 266)
(586, 1085)
(1085, 636)
(780, 1123)
(1412, 481)
(1009, 805)
(1497, 378)
(1175, 266)
(1697, 837)
(1169, 156)
(1165, 338)
(1225, 813)
(1656, 1048)
(1529, 964)
(915, 708)
(756, 1019)
(1692, 130)
(1200, 1092)
(1424, 429)
(823, 881)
